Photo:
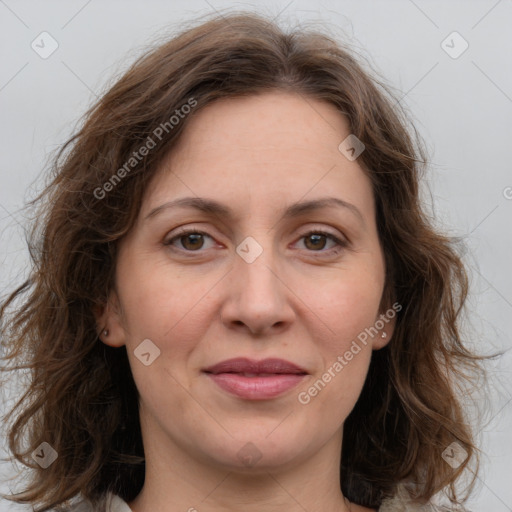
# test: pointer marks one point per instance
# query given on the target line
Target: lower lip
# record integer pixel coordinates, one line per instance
(256, 388)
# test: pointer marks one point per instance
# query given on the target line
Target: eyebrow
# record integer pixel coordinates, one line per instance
(209, 206)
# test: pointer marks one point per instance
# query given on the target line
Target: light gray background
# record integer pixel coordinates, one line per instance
(462, 107)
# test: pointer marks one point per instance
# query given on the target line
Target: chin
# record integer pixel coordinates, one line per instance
(259, 449)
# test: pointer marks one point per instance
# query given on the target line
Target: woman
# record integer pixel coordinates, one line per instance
(237, 300)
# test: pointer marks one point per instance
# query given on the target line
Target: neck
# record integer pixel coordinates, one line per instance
(175, 481)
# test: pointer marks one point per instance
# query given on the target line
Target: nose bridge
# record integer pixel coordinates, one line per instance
(258, 298)
(254, 265)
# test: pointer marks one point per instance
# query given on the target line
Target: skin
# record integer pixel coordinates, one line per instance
(297, 301)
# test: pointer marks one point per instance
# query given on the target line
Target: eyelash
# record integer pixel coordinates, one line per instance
(341, 244)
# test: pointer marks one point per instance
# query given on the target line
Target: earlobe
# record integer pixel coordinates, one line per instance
(381, 340)
(109, 323)
(386, 321)
(386, 327)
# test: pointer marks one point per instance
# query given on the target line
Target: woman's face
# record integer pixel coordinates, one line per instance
(282, 261)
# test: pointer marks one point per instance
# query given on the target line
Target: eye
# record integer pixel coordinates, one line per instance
(191, 240)
(316, 241)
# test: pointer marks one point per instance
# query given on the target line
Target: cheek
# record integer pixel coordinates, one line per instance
(164, 307)
(173, 310)
(159, 302)
(348, 306)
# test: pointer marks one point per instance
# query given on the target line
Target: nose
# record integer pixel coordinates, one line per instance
(259, 299)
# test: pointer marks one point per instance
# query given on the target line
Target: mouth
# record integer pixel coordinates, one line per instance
(256, 380)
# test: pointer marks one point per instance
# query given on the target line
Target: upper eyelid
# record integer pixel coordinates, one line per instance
(186, 229)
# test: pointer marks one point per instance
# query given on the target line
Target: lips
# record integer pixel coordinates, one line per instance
(256, 380)
(243, 365)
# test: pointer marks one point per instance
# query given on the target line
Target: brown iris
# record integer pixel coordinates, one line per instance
(196, 241)
(318, 241)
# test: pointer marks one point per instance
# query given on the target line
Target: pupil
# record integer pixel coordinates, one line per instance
(317, 241)
(194, 238)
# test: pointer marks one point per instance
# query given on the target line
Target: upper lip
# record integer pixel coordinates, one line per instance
(244, 365)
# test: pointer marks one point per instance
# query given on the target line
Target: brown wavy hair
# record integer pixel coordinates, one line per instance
(82, 399)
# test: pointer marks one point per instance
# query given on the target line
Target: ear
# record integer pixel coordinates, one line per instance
(385, 325)
(109, 322)
(385, 322)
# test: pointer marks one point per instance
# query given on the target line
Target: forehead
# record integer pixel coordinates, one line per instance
(264, 121)
(265, 149)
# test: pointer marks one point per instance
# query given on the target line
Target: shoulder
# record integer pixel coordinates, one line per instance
(114, 504)
(398, 504)
(401, 502)
(118, 505)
